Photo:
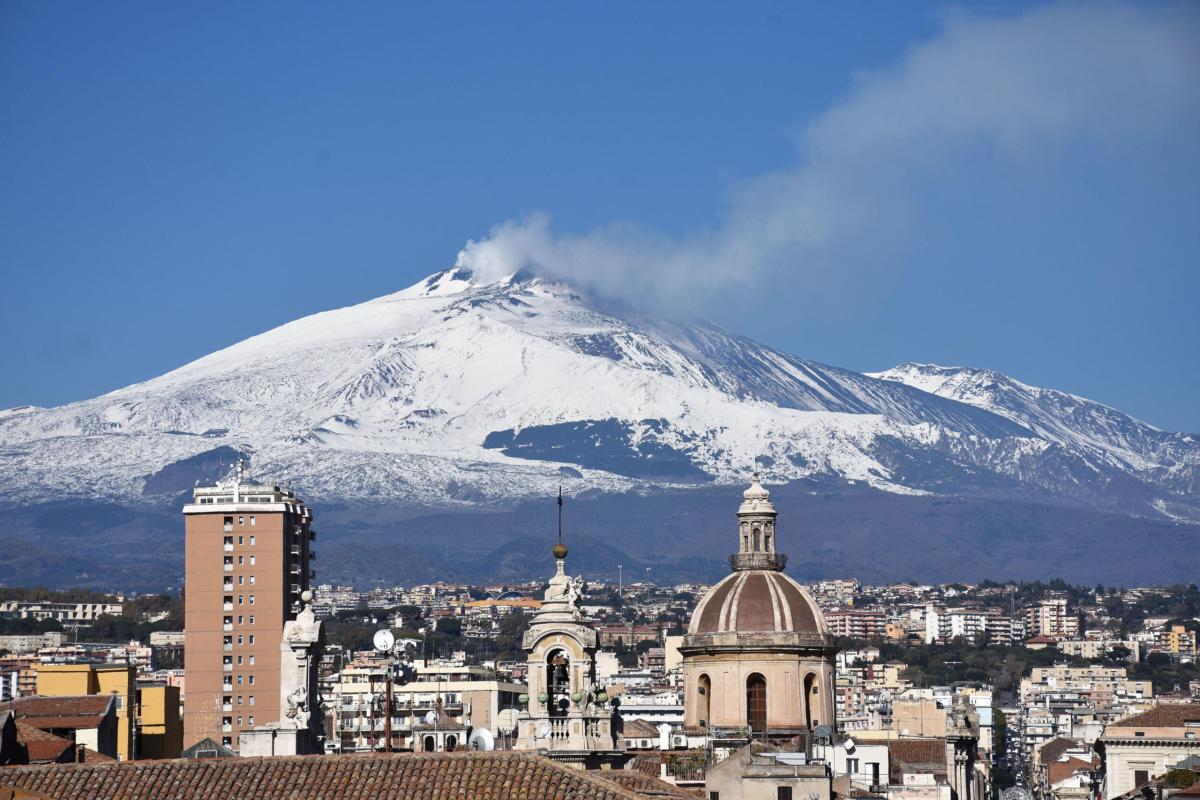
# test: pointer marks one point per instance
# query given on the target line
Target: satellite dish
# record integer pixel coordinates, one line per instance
(431, 717)
(383, 640)
(849, 745)
(506, 721)
(481, 739)
(543, 731)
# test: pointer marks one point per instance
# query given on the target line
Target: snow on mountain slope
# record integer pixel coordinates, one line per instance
(461, 392)
(1057, 416)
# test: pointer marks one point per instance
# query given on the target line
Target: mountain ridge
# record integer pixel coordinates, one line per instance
(458, 392)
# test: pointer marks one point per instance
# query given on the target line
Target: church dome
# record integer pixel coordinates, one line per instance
(757, 601)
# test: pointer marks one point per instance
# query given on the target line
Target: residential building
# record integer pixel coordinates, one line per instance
(247, 560)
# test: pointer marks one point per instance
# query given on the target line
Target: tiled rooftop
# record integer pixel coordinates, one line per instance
(442, 776)
(1164, 716)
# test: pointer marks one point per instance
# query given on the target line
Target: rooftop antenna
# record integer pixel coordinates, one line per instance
(560, 513)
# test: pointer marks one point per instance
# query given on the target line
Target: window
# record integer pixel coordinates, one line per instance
(852, 766)
(251, 619)
(252, 561)
(874, 765)
(229, 600)
(241, 540)
(714, 796)
(251, 599)
(239, 699)
(239, 638)
(229, 540)
(241, 601)
(251, 720)
(756, 702)
(251, 659)
(252, 638)
(239, 720)
(241, 580)
(251, 699)
(241, 520)
(239, 659)
(783, 793)
(239, 680)
(1140, 776)
(241, 560)
(251, 519)
(240, 619)
(251, 580)
(251, 680)
(251, 541)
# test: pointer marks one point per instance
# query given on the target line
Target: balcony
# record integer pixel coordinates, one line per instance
(295, 588)
(228, 586)
(295, 549)
(227, 707)
(227, 668)
(227, 687)
(228, 626)
(229, 527)
(226, 728)
(228, 648)
(297, 569)
(227, 607)
(229, 567)
(228, 547)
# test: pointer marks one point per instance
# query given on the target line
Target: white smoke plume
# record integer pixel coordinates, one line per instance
(998, 87)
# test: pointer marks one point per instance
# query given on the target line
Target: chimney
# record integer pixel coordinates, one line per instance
(79, 753)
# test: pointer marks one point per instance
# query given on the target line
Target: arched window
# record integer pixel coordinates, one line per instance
(811, 700)
(767, 541)
(756, 703)
(757, 533)
(430, 746)
(704, 701)
(558, 682)
(451, 743)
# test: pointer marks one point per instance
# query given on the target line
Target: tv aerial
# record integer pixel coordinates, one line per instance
(481, 739)
(383, 640)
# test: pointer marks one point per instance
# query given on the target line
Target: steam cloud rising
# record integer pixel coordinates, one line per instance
(1002, 87)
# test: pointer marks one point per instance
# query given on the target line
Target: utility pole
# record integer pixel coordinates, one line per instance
(620, 581)
(387, 723)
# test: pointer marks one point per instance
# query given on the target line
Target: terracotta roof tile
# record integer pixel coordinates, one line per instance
(647, 786)
(1054, 748)
(1171, 715)
(441, 776)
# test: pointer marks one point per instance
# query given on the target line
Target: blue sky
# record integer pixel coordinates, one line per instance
(1011, 186)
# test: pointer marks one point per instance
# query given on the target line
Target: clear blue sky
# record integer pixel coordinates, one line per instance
(1005, 188)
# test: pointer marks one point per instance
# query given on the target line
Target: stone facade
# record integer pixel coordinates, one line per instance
(758, 656)
(568, 714)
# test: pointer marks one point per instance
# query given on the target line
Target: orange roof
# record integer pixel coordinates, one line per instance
(1171, 715)
(516, 602)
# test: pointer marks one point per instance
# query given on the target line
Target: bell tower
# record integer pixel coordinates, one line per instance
(756, 531)
(567, 714)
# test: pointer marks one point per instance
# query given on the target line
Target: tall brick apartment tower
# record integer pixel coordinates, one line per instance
(247, 561)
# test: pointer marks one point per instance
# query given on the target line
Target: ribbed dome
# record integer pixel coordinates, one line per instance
(757, 601)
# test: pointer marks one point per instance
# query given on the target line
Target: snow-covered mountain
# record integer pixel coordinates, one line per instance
(458, 392)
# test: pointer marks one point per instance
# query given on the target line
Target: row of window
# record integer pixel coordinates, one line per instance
(229, 639)
(228, 700)
(240, 618)
(249, 660)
